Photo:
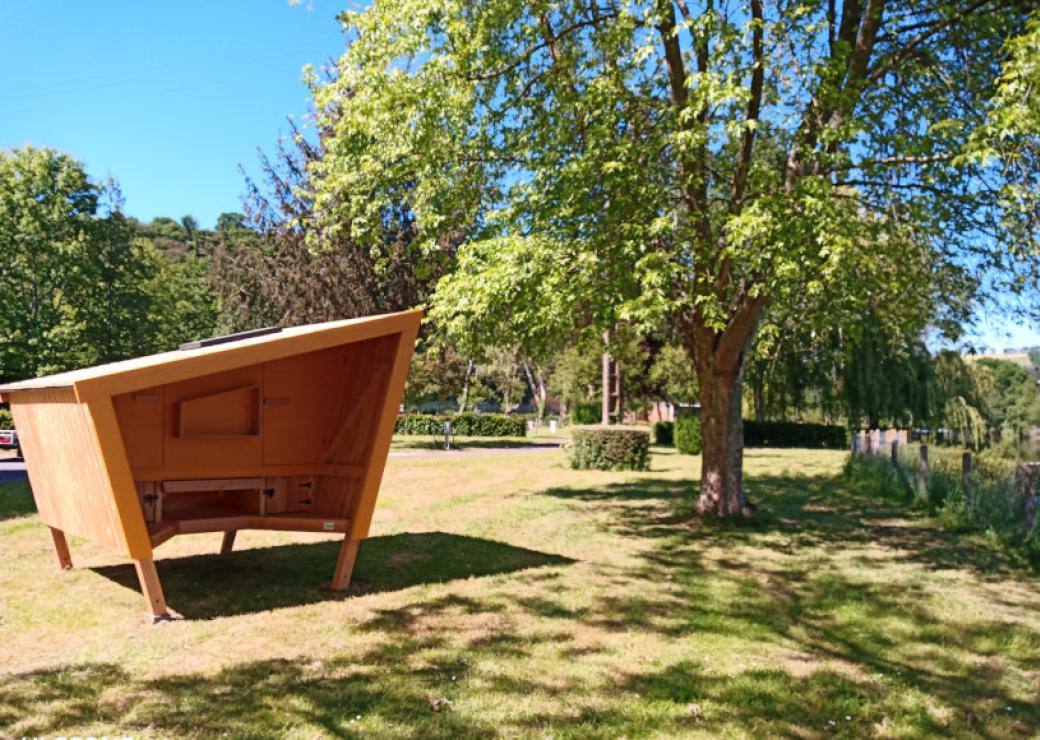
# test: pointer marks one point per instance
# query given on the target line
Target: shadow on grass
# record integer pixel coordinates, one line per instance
(16, 499)
(795, 511)
(246, 581)
(771, 580)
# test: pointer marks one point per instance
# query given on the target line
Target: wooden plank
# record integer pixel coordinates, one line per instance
(61, 549)
(212, 484)
(297, 523)
(379, 446)
(301, 395)
(228, 413)
(151, 588)
(68, 478)
(141, 426)
(228, 543)
(214, 524)
(162, 532)
(130, 375)
(345, 564)
(169, 367)
(214, 470)
(121, 487)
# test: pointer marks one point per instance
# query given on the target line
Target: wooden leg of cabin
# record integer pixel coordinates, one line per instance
(152, 589)
(61, 547)
(345, 564)
(229, 541)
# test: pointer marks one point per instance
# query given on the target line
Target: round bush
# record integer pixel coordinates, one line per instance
(688, 435)
(609, 448)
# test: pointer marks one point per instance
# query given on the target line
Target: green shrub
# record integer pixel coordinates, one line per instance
(609, 448)
(688, 434)
(467, 425)
(489, 425)
(586, 413)
(664, 433)
(6, 420)
(794, 434)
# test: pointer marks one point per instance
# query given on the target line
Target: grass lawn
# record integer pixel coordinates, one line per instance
(507, 594)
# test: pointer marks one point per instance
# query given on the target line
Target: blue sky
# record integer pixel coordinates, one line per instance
(171, 98)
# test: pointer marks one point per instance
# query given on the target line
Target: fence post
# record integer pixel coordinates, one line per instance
(922, 474)
(895, 453)
(966, 478)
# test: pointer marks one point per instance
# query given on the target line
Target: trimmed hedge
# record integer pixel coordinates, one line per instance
(664, 433)
(466, 425)
(609, 448)
(688, 434)
(794, 434)
(586, 413)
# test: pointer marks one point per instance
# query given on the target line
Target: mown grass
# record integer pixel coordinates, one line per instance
(507, 594)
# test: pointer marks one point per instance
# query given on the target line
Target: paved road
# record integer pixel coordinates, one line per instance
(544, 447)
(10, 471)
(13, 471)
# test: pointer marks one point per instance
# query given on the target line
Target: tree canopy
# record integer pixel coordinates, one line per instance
(673, 163)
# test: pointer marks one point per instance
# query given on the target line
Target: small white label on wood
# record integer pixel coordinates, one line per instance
(329, 526)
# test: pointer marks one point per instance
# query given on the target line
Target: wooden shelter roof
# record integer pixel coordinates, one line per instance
(167, 367)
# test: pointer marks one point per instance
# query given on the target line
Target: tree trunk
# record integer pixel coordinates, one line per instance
(722, 446)
(536, 382)
(464, 399)
(720, 359)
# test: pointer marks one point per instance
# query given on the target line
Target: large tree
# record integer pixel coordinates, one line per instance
(672, 162)
(77, 286)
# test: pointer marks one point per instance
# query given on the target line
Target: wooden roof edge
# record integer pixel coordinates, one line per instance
(169, 367)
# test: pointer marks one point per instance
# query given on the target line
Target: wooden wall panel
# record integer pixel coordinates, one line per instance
(378, 434)
(368, 375)
(141, 426)
(301, 397)
(188, 456)
(72, 488)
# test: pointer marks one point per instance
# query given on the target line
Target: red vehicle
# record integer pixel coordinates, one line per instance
(9, 440)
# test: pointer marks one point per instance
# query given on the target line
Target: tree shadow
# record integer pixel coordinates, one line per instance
(255, 580)
(799, 510)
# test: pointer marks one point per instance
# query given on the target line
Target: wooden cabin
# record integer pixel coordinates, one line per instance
(274, 429)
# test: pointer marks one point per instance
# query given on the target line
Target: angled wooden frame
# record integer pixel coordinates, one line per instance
(111, 460)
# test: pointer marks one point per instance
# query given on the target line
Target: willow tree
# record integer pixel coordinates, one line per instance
(666, 161)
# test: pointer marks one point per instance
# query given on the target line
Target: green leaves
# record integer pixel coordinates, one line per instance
(76, 287)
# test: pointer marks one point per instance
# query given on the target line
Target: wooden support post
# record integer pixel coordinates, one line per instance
(922, 474)
(61, 547)
(895, 452)
(966, 478)
(345, 564)
(152, 589)
(229, 541)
